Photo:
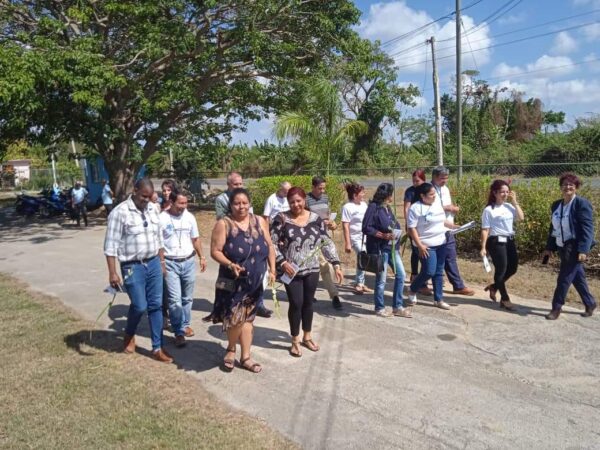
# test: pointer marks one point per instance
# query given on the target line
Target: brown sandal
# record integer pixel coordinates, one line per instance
(229, 364)
(297, 353)
(310, 344)
(254, 367)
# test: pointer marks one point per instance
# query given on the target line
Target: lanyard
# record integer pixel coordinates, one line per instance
(180, 228)
(439, 193)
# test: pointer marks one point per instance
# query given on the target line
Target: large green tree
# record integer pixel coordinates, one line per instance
(367, 80)
(125, 77)
(319, 126)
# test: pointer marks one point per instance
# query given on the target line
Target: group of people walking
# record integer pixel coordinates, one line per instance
(291, 243)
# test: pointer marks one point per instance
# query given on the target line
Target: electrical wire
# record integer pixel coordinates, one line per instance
(471, 48)
(427, 25)
(501, 44)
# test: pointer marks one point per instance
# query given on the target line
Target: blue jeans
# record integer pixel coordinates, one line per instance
(432, 267)
(571, 272)
(452, 265)
(360, 274)
(380, 278)
(181, 277)
(144, 284)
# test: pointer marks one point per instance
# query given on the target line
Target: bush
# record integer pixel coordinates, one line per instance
(535, 198)
(262, 188)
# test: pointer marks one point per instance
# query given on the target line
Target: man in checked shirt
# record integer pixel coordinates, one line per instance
(133, 237)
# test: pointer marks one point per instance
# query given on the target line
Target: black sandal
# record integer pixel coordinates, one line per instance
(229, 364)
(254, 368)
(310, 344)
(298, 353)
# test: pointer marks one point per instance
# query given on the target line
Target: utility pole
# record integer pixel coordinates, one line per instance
(458, 91)
(75, 153)
(438, 113)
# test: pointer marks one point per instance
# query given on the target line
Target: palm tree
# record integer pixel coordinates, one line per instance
(319, 125)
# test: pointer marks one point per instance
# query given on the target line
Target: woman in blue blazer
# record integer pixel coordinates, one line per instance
(572, 235)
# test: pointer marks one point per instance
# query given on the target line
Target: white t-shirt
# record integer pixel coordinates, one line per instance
(178, 232)
(429, 222)
(274, 205)
(444, 198)
(354, 214)
(499, 219)
(562, 231)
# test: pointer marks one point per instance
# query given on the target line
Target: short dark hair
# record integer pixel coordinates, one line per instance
(317, 181)
(423, 189)
(238, 191)
(295, 190)
(384, 191)
(354, 189)
(171, 183)
(569, 177)
(144, 183)
(174, 194)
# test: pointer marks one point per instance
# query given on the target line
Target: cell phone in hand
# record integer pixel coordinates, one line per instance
(545, 259)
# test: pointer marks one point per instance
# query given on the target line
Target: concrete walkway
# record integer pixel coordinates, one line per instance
(474, 377)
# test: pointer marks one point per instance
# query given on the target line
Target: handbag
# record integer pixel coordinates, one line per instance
(370, 262)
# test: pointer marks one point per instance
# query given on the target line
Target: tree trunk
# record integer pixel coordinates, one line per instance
(121, 173)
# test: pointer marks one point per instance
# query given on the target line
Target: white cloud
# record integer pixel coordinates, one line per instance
(591, 32)
(386, 21)
(564, 43)
(557, 94)
(544, 66)
(593, 62)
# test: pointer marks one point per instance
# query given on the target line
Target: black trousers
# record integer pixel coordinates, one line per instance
(505, 259)
(300, 293)
(80, 210)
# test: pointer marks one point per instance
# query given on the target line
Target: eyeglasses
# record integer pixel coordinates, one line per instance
(145, 221)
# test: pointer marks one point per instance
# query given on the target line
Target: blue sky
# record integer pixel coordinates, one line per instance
(560, 68)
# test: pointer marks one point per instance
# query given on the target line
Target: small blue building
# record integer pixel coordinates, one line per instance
(95, 172)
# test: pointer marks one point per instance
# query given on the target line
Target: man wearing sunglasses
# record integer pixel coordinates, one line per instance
(133, 237)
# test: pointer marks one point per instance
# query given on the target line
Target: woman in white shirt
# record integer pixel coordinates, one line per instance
(498, 238)
(352, 218)
(427, 227)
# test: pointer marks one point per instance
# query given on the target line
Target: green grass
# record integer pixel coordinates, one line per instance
(58, 392)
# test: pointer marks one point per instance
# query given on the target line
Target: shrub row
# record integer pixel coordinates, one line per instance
(535, 198)
(262, 188)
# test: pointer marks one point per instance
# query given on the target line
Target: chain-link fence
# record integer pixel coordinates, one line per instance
(43, 178)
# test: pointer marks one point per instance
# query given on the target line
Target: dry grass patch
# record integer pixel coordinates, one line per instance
(58, 392)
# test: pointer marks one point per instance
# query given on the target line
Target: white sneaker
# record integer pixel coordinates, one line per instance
(383, 313)
(402, 312)
(412, 299)
(442, 305)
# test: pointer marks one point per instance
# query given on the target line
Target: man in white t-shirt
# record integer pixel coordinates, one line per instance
(79, 196)
(439, 179)
(107, 197)
(181, 243)
(277, 202)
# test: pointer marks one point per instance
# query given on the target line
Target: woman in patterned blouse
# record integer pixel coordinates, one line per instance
(298, 235)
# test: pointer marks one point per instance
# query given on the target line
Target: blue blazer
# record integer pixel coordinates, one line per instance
(378, 218)
(581, 220)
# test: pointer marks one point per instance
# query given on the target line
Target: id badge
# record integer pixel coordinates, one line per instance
(502, 239)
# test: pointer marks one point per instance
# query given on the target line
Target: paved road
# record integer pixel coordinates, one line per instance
(474, 377)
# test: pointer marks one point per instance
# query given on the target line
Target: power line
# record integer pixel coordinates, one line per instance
(501, 44)
(528, 72)
(518, 30)
(427, 25)
(491, 18)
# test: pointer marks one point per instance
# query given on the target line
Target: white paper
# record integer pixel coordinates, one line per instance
(285, 278)
(111, 290)
(486, 264)
(466, 226)
(332, 217)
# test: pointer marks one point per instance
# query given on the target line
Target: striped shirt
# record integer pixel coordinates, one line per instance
(132, 234)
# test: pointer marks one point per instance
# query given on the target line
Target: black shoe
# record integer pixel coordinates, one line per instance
(264, 312)
(553, 315)
(335, 301)
(589, 311)
(208, 318)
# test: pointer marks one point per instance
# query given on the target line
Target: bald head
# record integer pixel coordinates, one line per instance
(284, 187)
(234, 181)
